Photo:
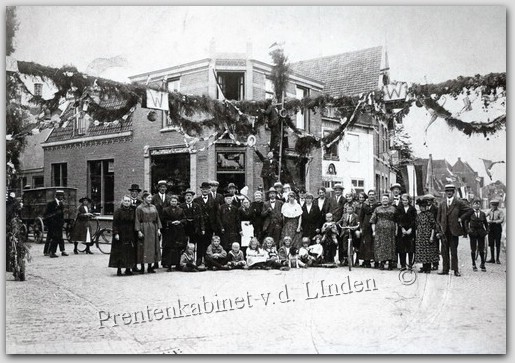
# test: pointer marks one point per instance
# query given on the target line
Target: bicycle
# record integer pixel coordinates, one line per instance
(350, 247)
(102, 238)
(19, 252)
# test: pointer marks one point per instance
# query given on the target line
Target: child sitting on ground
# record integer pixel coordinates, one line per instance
(294, 259)
(284, 253)
(235, 256)
(304, 255)
(256, 257)
(317, 250)
(216, 256)
(273, 258)
(187, 262)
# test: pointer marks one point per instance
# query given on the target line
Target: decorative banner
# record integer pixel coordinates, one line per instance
(157, 99)
(395, 92)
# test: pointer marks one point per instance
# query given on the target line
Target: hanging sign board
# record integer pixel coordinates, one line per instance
(395, 92)
(157, 100)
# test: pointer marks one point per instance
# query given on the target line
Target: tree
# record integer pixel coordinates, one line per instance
(12, 25)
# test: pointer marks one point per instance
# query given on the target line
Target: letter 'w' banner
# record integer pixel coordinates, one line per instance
(157, 99)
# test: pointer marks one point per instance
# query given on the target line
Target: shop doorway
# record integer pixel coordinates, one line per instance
(230, 167)
(174, 168)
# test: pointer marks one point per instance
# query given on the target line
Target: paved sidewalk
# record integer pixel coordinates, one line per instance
(63, 307)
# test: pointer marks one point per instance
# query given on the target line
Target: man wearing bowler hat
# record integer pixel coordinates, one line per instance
(451, 212)
(135, 199)
(273, 223)
(194, 226)
(54, 220)
(209, 209)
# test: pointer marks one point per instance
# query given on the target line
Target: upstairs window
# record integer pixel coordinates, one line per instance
(330, 153)
(60, 175)
(174, 85)
(232, 85)
(302, 121)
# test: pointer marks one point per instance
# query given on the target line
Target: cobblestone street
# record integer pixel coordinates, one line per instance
(69, 305)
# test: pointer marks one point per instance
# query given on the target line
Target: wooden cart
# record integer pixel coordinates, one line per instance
(34, 206)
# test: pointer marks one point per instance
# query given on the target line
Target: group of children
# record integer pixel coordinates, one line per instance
(256, 256)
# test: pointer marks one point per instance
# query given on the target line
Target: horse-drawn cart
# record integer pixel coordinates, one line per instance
(34, 206)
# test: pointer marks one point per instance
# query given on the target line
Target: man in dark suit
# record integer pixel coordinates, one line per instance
(337, 202)
(219, 198)
(160, 200)
(270, 169)
(194, 227)
(311, 217)
(395, 189)
(273, 217)
(450, 214)
(323, 203)
(135, 199)
(229, 223)
(477, 229)
(209, 209)
(54, 220)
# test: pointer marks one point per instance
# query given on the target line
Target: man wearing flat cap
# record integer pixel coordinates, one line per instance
(495, 218)
(337, 202)
(451, 212)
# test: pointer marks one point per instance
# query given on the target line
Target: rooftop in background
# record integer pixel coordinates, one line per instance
(346, 74)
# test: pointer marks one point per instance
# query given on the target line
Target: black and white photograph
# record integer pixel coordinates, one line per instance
(293, 179)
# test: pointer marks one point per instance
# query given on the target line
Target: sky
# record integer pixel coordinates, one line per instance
(431, 43)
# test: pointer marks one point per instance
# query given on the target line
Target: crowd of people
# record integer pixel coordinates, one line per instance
(281, 229)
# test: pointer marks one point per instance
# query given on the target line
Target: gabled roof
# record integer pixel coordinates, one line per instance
(345, 74)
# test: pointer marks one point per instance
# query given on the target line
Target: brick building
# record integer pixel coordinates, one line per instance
(102, 161)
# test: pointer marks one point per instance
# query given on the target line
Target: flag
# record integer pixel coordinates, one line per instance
(221, 95)
(489, 164)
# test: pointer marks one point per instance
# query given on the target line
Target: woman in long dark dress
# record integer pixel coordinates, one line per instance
(123, 253)
(406, 218)
(82, 228)
(426, 250)
(148, 225)
(366, 247)
(384, 229)
(257, 220)
(174, 238)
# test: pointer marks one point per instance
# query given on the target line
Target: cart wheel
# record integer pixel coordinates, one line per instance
(81, 246)
(350, 254)
(38, 228)
(104, 239)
